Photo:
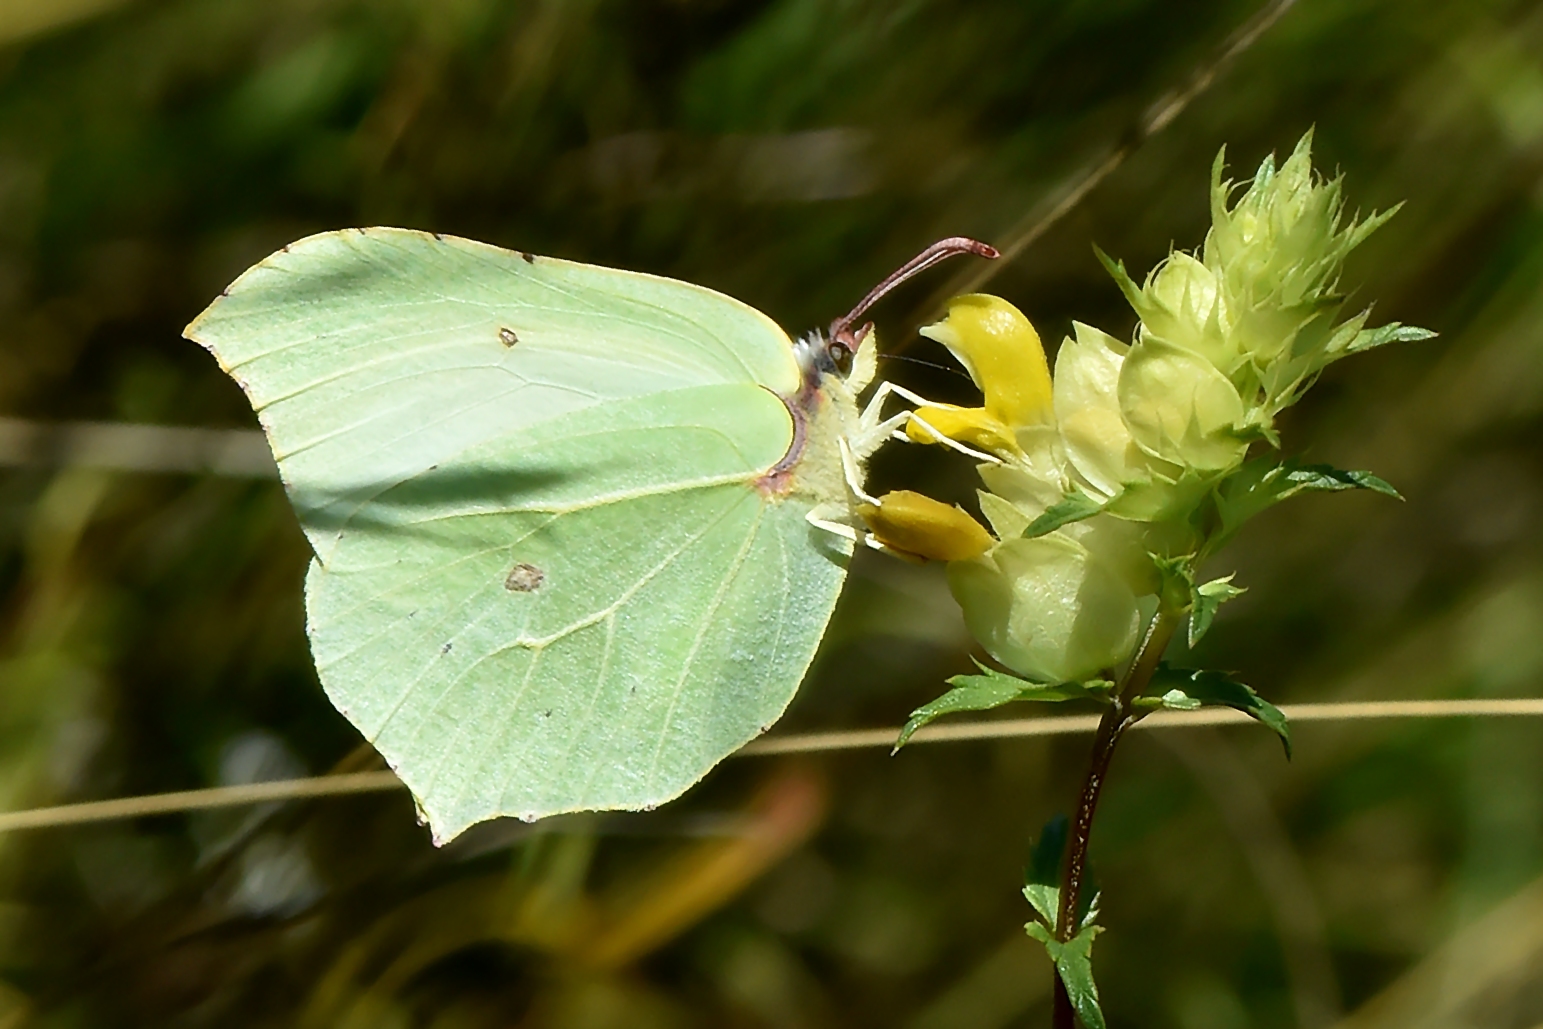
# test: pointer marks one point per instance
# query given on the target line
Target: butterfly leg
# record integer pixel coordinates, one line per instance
(871, 430)
(874, 408)
(847, 532)
(953, 444)
(822, 517)
(890, 427)
(887, 387)
(854, 473)
(841, 529)
(869, 438)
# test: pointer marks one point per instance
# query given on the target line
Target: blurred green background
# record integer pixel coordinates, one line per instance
(789, 152)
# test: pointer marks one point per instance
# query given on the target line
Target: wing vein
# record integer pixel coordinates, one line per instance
(696, 644)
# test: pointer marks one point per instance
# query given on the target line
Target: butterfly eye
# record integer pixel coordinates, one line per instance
(840, 355)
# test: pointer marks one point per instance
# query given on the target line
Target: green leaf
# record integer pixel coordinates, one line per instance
(1206, 598)
(548, 575)
(1186, 689)
(1089, 903)
(1042, 882)
(1173, 700)
(1393, 332)
(993, 689)
(1263, 482)
(1073, 508)
(1323, 478)
(1074, 964)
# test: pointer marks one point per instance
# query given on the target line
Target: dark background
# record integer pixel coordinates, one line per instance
(789, 152)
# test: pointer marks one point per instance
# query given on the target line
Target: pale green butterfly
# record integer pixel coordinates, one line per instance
(569, 523)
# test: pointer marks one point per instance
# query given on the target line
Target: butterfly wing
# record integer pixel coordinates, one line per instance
(544, 578)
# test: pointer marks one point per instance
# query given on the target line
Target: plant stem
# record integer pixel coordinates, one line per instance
(1119, 716)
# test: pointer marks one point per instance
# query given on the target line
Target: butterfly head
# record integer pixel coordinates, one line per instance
(831, 437)
(845, 357)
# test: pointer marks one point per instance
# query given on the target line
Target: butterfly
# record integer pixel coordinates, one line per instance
(577, 531)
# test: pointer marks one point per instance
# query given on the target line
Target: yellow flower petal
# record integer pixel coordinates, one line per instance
(974, 426)
(925, 527)
(1002, 353)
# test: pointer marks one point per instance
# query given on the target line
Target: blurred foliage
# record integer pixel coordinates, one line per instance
(788, 152)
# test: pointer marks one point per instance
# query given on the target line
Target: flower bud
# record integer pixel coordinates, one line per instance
(1282, 239)
(916, 524)
(1260, 301)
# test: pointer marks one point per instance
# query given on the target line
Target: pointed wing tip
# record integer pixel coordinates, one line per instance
(193, 330)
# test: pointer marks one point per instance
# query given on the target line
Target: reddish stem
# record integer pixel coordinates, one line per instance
(1119, 716)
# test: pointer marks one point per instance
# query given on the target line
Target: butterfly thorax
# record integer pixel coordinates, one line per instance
(824, 412)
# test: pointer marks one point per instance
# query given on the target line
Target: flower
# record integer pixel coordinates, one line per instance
(1132, 439)
(922, 527)
(1002, 352)
(1066, 605)
(1127, 442)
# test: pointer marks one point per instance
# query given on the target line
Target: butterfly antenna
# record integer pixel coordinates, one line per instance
(923, 363)
(841, 330)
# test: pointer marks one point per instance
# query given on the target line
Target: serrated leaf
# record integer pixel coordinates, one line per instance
(1217, 689)
(1090, 908)
(1204, 601)
(1073, 508)
(1045, 900)
(1323, 478)
(1173, 700)
(1393, 332)
(993, 689)
(1263, 483)
(1074, 964)
(1043, 877)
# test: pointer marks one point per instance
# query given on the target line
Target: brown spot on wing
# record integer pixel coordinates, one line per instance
(507, 337)
(524, 578)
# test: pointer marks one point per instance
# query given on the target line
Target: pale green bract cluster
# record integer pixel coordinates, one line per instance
(1140, 466)
(1258, 305)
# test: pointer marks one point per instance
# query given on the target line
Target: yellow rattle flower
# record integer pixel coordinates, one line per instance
(1002, 352)
(918, 525)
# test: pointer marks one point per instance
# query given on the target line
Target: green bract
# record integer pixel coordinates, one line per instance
(1179, 408)
(560, 560)
(1050, 608)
